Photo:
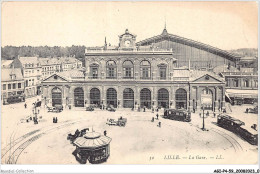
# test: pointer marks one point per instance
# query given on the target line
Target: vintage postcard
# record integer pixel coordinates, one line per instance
(129, 83)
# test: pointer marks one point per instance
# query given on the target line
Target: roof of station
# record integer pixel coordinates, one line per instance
(175, 38)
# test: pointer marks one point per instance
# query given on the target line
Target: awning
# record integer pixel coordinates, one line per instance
(239, 93)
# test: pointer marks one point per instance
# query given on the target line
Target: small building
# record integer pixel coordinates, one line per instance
(12, 85)
(31, 71)
(50, 66)
(92, 147)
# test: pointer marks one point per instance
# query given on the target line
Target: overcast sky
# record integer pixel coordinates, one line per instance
(226, 25)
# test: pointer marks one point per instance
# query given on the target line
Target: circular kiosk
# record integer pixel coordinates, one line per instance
(92, 147)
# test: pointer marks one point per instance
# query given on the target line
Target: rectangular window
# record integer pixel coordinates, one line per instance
(145, 73)
(94, 72)
(9, 86)
(32, 81)
(4, 86)
(163, 73)
(128, 72)
(14, 85)
(111, 72)
(19, 85)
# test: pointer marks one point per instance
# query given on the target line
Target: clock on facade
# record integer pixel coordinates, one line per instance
(127, 43)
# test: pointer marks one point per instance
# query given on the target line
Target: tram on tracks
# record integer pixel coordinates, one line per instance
(14, 99)
(238, 127)
(177, 114)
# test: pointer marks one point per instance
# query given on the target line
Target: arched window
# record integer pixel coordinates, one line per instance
(181, 99)
(128, 98)
(145, 98)
(111, 97)
(145, 68)
(207, 99)
(111, 69)
(94, 71)
(56, 96)
(79, 97)
(128, 69)
(163, 98)
(95, 96)
(162, 71)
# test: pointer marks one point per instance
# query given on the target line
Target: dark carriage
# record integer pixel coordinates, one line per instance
(56, 108)
(177, 114)
(120, 122)
(90, 108)
(238, 127)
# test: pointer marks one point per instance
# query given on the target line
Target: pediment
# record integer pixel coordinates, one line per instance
(55, 78)
(207, 79)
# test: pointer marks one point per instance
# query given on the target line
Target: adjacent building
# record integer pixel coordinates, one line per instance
(31, 71)
(12, 82)
(241, 83)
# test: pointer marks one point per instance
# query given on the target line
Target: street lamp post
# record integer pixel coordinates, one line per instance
(203, 123)
(35, 113)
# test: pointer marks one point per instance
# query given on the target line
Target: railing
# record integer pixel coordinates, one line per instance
(111, 77)
(128, 77)
(145, 78)
(239, 73)
(93, 77)
(125, 51)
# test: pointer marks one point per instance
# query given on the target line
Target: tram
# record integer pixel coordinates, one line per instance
(177, 114)
(239, 128)
(14, 99)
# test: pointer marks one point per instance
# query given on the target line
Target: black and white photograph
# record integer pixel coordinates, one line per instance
(139, 82)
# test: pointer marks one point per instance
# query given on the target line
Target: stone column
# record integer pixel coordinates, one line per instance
(223, 98)
(137, 97)
(189, 101)
(119, 97)
(172, 98)
(103, 96)
(85, 95)
(63, 96)
(154, 97)
(216, 99)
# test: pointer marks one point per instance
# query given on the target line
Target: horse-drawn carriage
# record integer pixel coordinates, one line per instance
(77, 134)
(120, 122)
(56, 108)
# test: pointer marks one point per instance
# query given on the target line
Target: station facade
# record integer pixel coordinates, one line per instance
(128, 76)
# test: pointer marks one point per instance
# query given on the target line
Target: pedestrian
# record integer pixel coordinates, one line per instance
(157, 109)
(157, 115)
(105, 133)
(159, 124)
(38, 111)
(246, 110)
(152, 110)
(56, 119)
(144, 108)
(25, 105)
(53, 119)
(152, 119)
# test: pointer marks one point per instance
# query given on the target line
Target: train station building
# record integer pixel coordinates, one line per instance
(146, 74)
